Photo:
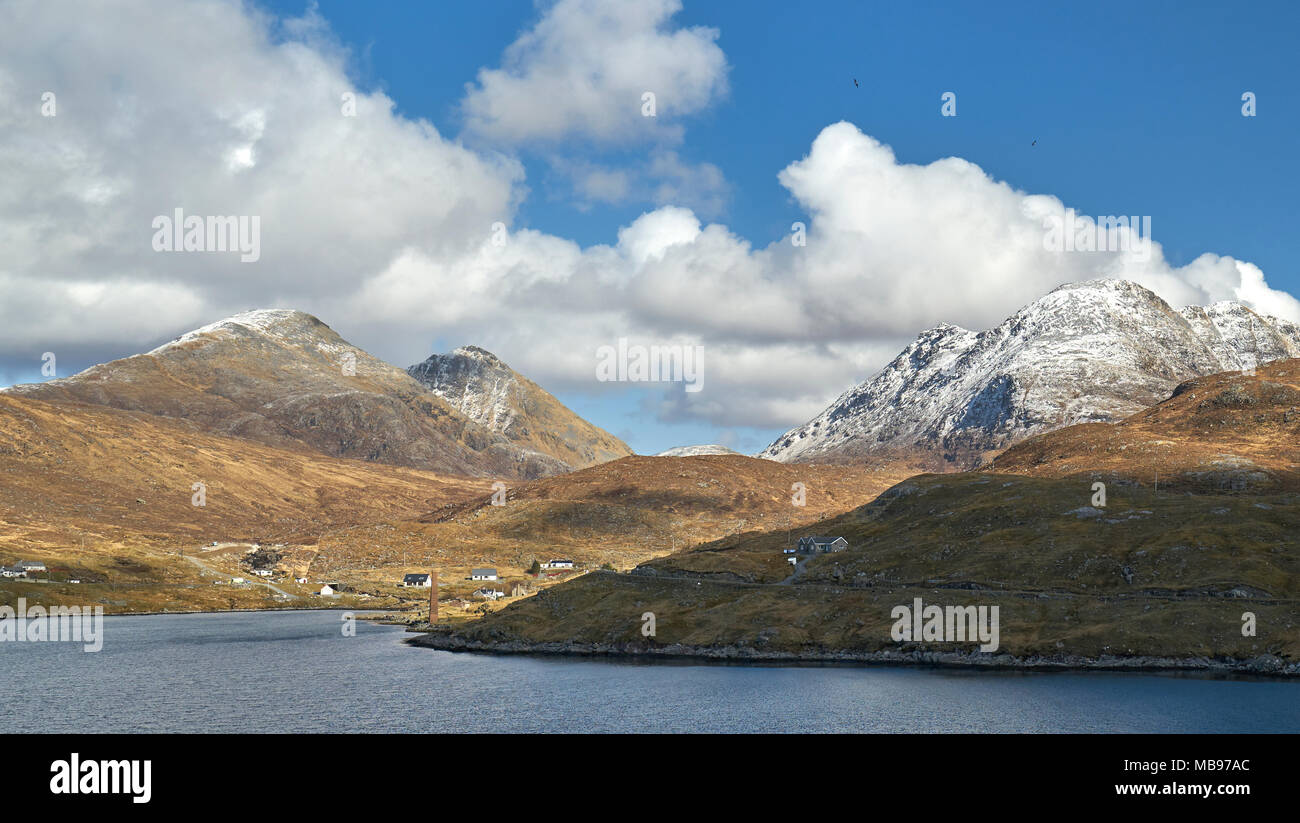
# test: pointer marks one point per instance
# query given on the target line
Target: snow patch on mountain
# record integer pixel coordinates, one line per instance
(477, 383)
(692, 451)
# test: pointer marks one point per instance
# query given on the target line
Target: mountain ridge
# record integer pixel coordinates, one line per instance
(1094, 351)
(284, 378)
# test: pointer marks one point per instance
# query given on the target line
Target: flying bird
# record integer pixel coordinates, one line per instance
(855, 82)
(1035, 143)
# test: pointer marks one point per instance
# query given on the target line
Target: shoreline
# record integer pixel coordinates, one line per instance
(1265, 666)
(238, 611)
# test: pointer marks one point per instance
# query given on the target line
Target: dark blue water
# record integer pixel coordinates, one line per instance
(296, 672)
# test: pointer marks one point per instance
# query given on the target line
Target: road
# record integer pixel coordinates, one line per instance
(225, 575)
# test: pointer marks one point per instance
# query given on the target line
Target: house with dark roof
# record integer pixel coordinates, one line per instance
(483, 574)
(416, 581)
(821, 544)
(30, 566)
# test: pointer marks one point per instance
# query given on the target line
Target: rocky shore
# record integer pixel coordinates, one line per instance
(1266, 665)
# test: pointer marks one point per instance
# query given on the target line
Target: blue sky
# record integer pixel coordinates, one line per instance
(1135, 106)
(1135, 109)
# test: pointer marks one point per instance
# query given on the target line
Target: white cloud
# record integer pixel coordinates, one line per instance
(582, 70)
(382, 226)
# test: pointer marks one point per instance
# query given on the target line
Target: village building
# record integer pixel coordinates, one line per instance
(330, 589)
(31, 566)
(815, 545)
(483, 574)
(558, 564)
(490, 594)
(416, 581)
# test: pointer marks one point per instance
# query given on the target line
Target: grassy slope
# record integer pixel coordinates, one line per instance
(622, 513)
(1162, 572)
(106, 496)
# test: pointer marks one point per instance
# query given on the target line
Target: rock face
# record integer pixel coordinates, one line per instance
(1086, 352)
(284, 378)
(692, 451)
(480, 386)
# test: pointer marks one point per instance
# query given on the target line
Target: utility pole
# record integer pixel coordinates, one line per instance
(433, 596)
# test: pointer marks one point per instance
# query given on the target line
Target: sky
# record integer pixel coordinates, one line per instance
(496, 180)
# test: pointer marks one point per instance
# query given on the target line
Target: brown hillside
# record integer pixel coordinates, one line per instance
(622, 513)
(1225, 432)
(77, 474)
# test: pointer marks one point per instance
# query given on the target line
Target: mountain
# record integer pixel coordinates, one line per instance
(286, 379)
(1096, 351)
(693, 451)
(484, 389)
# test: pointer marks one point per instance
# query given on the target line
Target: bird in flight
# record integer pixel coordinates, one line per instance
(1035, 143)
(855, 82)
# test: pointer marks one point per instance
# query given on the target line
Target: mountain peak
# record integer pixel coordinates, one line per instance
(477, 353)
(1097, 350)
(482, 387)
(282, 323)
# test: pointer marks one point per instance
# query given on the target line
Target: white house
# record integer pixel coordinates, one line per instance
(490, 594)
(558, 564)
(417, 581)
(5, 571)
(329, 590)
(812, 545)
(30, 566)
(263, 572)
(483, 574)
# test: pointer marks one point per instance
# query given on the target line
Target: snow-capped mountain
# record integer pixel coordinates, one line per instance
(483, 388)
(692, 451)
(284, 378)
(1095, 351)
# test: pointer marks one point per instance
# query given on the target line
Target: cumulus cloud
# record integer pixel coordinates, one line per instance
(383, 226)
(583, 70)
